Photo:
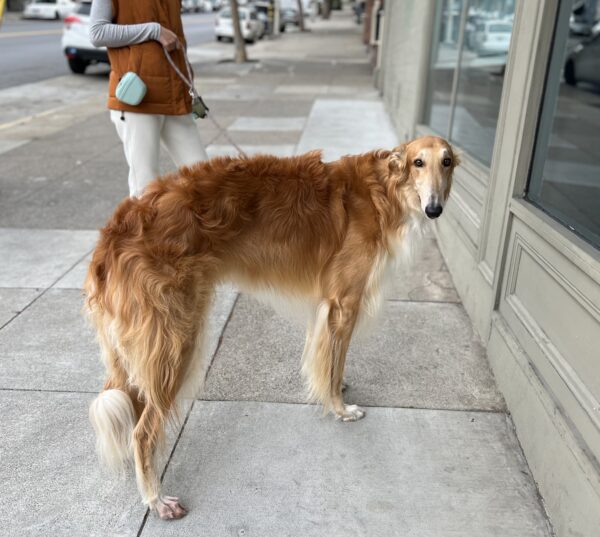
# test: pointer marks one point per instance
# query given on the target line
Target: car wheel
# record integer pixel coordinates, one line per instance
(218, 38)
(250, 41)
(77, 65)
(570, 73)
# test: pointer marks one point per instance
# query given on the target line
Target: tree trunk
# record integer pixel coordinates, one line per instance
(301, 15)
(238, 38)
(326, 13)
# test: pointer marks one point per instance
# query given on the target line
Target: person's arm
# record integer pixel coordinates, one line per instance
(103, 33)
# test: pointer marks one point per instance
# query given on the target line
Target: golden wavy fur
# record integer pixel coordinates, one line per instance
(325, 233)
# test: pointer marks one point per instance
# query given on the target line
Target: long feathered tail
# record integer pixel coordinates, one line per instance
(113, 418)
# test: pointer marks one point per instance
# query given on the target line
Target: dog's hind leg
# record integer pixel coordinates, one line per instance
(146, 436)
(149, 434)
(325, 355)
(165, 352)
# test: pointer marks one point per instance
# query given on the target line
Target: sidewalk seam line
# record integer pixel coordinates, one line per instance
(47, 289)
(220, 342)
(422, 301)
(49, 390)
(162, 475)
(479, 410)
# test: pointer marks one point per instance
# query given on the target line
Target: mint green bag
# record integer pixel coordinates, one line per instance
(131, 89)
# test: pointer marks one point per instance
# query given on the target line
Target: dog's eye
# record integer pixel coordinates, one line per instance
(447, 161)
(419, 163)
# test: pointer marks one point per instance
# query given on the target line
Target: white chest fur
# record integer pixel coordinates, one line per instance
(384, 269)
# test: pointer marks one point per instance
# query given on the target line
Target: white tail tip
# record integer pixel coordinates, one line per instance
(113, 418)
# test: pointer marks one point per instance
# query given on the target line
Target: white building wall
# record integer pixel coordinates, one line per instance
(405, 60)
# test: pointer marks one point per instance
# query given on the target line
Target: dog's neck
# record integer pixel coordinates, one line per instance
(402, 216)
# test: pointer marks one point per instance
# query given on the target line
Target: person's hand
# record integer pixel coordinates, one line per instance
(168, 39)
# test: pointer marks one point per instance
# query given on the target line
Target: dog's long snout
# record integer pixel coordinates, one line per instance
(433, 210)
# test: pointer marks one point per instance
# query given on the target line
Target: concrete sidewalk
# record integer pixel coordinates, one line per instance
(436, 454)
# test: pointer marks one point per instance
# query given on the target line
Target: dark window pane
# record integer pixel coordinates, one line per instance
(565, 177)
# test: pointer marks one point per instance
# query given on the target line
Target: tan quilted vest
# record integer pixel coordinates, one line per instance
(166, 92)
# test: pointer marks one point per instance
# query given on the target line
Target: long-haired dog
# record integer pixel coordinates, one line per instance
(323, 232)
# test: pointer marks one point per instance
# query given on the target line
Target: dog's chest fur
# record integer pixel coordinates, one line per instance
(401, 245)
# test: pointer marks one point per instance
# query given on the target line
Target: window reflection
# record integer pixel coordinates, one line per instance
(478, 34)
(443, 64)
(565, 180)
(483, 61)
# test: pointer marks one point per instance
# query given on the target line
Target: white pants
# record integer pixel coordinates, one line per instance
(142, 134)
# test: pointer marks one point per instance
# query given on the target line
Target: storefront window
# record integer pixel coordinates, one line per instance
(443, 65)
(469, 58)
(565, 176)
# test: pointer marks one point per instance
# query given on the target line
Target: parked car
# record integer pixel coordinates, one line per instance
(262, 10)
(492, 37)
(289, 15)
(189, 5)
(48, 9)
(286, 15)
(471, 26)
(196, 5)
(251, 27)
(583, 64)
(216, 4)
(76, 41)
(579, 27)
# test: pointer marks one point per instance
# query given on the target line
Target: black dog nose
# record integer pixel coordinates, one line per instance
(433, 211)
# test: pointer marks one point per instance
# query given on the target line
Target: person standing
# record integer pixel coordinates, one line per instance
(135, 32)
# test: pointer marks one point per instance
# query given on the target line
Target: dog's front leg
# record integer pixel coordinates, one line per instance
(325, 355)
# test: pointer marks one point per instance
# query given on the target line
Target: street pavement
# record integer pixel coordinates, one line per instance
(30, 50)
(436, 454)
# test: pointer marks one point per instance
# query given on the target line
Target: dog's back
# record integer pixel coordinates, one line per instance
(264, 220)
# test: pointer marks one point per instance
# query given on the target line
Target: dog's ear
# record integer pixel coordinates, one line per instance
(455, 162)
(397, 162)
(455, 156)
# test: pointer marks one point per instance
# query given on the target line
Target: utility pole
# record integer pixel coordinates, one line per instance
(238, 39)
(326, 9)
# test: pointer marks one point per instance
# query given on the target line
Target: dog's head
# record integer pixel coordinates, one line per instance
(421, 172)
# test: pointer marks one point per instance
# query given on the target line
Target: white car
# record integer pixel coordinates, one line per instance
(48, 9)
(250, 25)
(492, 37)
(76, 40)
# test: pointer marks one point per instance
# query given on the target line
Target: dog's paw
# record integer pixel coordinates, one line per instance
(169, 508)
(351, 413)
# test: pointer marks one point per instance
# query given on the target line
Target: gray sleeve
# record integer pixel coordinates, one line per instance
(103, 33)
